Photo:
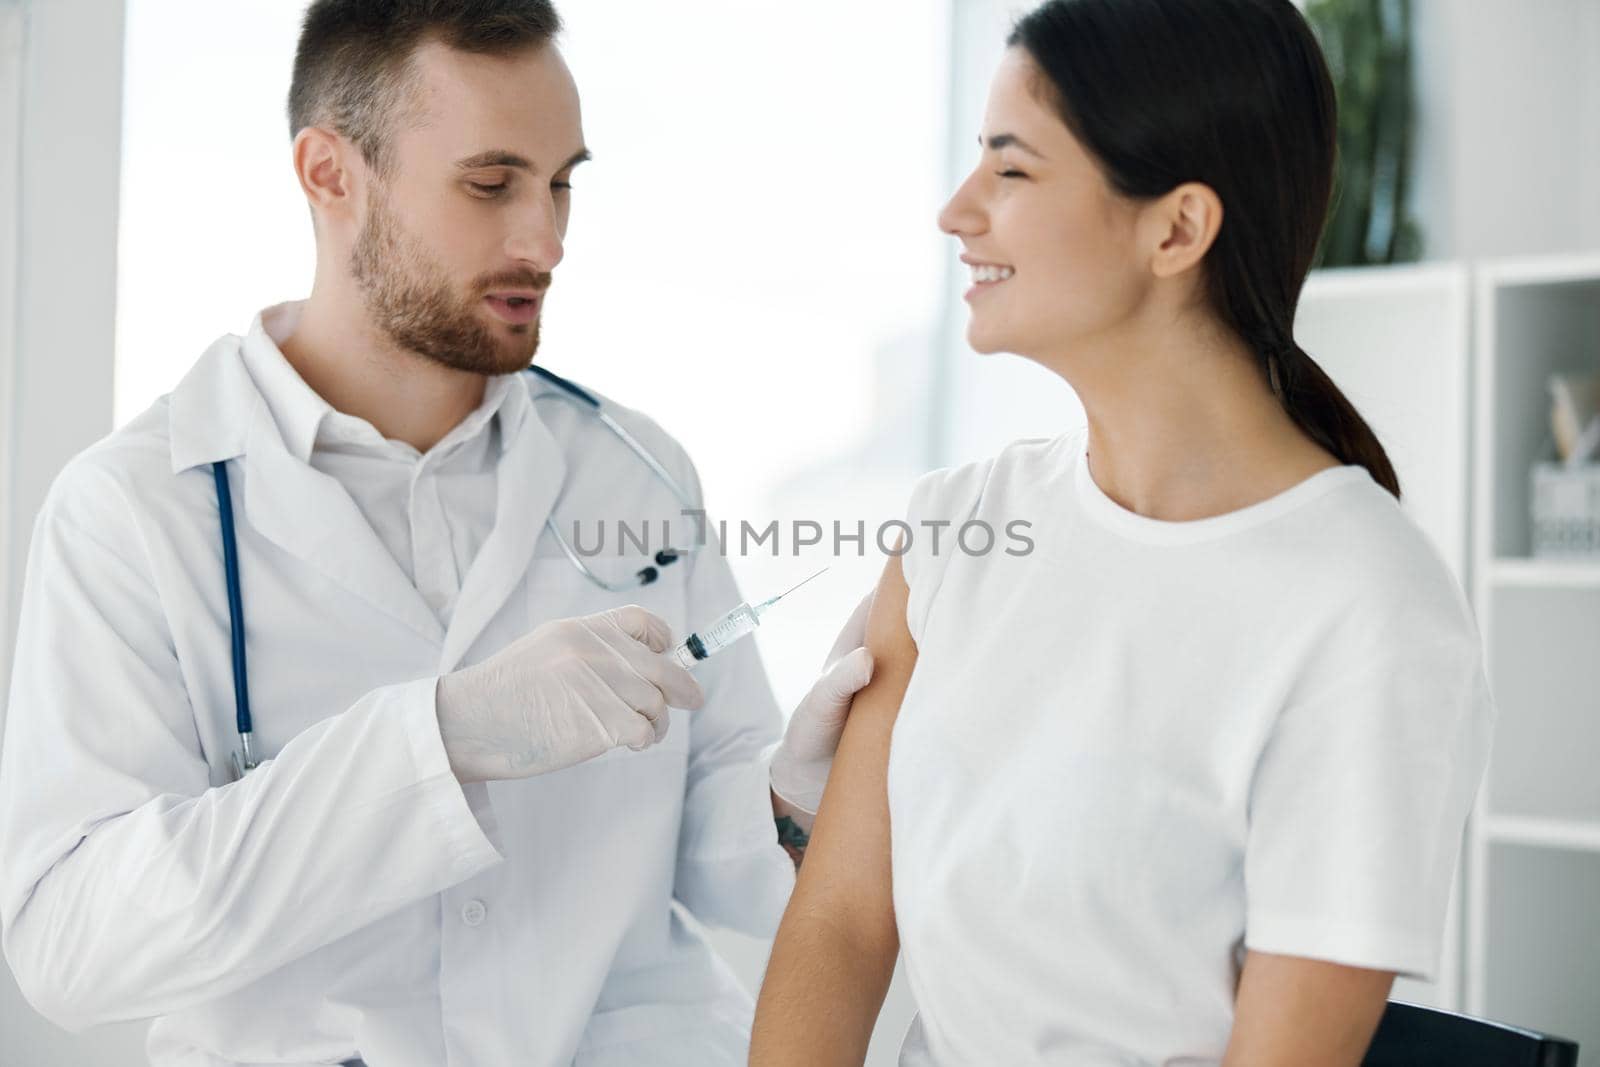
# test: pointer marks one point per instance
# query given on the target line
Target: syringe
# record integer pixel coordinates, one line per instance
(740, 622)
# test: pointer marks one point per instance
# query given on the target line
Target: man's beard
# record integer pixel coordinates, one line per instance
(411, 302)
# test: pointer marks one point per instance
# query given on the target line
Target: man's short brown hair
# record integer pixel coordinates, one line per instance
(352, 69)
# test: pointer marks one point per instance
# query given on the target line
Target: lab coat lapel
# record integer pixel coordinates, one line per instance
(528, 481)
(310, 515)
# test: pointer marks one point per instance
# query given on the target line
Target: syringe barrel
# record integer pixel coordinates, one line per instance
(705, 643)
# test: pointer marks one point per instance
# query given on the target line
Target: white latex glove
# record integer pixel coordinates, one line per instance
(568, 691)
(801, 763)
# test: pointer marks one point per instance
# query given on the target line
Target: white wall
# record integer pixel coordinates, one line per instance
(1508, 153)
(59, 173)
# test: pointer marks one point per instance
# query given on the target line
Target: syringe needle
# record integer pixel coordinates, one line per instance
(768, 603)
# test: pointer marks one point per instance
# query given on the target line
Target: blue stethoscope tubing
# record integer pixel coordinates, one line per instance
(244, 759)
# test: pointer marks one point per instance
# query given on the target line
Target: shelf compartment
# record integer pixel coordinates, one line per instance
(1532, 322)
(1545, 673)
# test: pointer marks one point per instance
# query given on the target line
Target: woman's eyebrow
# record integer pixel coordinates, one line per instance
(1007, 140)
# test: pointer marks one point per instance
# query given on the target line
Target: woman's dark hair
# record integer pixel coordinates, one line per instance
(1234, 94)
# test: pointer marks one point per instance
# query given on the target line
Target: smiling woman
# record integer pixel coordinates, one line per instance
(1147, 808)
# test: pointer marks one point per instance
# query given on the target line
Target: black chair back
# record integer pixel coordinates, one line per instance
(1410, 1035)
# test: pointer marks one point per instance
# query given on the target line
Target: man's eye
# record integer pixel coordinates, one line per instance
(1011, 174)
(561, 185)
(488, 190)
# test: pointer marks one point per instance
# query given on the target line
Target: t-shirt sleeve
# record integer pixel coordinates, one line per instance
(1357, 809)
(941, 501)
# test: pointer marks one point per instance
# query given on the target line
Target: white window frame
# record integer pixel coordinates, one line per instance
(60, 178)
(10, 219)
(60, 175)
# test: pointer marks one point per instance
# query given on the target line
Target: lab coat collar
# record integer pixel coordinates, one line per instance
(295, 407)
(210, 412)
(218, 413)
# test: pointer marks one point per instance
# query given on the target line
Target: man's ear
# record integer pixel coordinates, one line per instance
(1181, 228)
(324, 163)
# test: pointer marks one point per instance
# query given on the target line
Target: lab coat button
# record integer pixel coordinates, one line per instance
(472, 912)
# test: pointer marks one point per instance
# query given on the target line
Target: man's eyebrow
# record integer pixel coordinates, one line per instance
(1006, 140)
(498, 157)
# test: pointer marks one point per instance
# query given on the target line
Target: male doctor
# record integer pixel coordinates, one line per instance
(487, 798)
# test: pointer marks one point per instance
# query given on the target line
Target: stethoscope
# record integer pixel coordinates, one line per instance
(244, 759)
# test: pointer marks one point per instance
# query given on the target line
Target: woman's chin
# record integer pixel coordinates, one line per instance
(984, 344)
(979, 339)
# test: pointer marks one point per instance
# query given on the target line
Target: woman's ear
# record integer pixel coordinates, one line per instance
(1182, 226)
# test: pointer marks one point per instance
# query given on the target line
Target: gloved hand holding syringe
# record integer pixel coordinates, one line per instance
(740, 622)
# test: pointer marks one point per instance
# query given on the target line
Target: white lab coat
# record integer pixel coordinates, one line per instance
(350, 897)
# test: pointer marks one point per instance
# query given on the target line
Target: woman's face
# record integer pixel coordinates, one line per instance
(1052, 248)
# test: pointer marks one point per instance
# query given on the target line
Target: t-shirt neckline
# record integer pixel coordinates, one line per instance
(1138, 527)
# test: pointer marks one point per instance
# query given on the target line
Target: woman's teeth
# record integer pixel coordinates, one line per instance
(987, 273)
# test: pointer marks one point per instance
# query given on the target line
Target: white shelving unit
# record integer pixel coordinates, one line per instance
(1532, 947)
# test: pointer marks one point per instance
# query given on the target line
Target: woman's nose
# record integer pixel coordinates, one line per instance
(960, 215)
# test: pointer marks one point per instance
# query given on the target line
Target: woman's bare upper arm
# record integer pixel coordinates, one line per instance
(1310, 1013)
(846, 870)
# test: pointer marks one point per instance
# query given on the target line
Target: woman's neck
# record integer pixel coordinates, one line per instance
(1183, 425)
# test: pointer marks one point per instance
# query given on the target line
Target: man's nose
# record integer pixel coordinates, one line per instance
(537, 238)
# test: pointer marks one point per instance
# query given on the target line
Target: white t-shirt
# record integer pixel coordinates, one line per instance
(1133, 748)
